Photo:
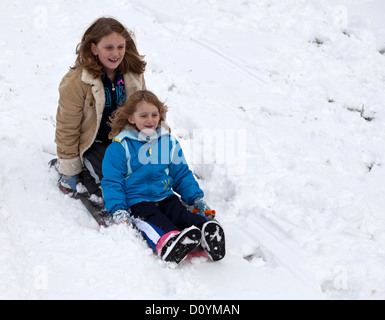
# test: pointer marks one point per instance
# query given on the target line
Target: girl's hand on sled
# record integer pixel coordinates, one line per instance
(201, 207)
(121, 216)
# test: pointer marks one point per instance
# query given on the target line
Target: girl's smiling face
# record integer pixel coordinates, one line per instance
(110, 51)
(146, 117)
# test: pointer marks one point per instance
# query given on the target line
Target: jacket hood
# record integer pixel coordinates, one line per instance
(142, 136)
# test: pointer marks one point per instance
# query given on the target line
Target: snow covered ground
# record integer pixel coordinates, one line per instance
(280, 107)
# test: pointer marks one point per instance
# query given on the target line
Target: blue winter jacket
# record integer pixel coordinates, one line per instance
(139, 168)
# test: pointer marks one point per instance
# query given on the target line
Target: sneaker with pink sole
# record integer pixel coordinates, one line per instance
(174, 246)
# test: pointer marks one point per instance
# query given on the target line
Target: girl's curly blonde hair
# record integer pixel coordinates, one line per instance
(132, 61)
(119, 120)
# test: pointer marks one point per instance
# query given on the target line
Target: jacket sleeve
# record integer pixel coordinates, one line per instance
(114, 176)
(68, 120)
(184, 182)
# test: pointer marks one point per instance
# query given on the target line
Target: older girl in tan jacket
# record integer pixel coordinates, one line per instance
(108, 69)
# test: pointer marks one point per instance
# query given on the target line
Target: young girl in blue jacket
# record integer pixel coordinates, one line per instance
(142, 168)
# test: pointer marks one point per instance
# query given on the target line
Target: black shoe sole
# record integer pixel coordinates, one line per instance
(214, 241)
(183, 244)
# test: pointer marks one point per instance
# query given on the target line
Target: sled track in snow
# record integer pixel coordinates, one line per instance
(274, 241)
(229, 61)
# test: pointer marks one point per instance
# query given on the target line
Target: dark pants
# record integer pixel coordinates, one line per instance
(93, 159)
(168, 214)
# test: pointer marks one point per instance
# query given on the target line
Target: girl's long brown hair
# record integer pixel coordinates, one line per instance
(132, 61)
(119, 119)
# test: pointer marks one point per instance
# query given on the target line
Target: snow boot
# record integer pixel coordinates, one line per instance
(213, 240)
(175, 246)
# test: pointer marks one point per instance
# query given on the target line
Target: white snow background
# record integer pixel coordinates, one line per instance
(289, 97)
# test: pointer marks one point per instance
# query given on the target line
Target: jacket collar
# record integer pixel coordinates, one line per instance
(97, 90)
(89, 79)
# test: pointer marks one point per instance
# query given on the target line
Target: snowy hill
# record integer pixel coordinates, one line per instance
(280, 107)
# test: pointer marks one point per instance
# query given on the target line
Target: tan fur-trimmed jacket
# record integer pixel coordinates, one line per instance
(80, 110)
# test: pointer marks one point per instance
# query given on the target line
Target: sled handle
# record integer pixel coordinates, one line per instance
(208, 213)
